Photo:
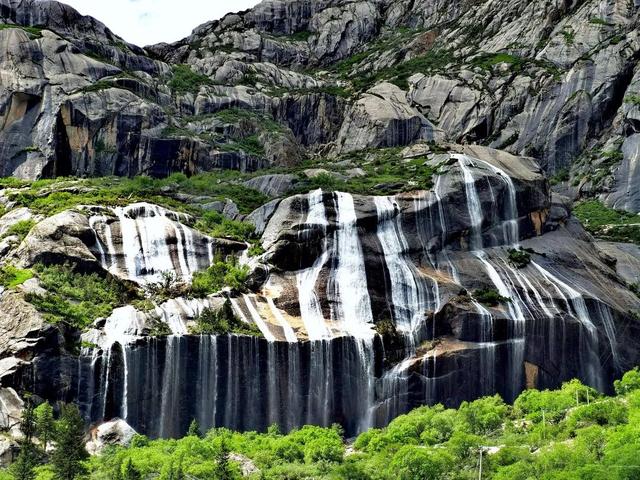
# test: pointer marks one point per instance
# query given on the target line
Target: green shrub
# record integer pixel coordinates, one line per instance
(218, 276)
(222, 321)
(607, 223)
(185, 80)
(11, 277)
(75, 299)
(21, 229)
(34, 32)
(217, 225)
(519, 258)
(629, 382)
(490, 297)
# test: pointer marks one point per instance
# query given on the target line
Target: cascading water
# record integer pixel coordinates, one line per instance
(329, 364)
(148, 243)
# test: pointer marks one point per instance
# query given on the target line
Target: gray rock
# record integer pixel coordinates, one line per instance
(382, 117)
(113, 433)
(272, 185)
(59, 239)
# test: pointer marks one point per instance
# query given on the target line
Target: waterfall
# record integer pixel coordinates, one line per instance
(150, 242)
(348, 291)
(306, 280)
(474, 207)
(408, 302)
(207, 395)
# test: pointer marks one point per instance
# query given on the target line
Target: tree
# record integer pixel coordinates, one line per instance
(131, 472)
(630, 381)
(194, 429)
(223, 470)
(45, 424)
(23, 467)
(67, 459)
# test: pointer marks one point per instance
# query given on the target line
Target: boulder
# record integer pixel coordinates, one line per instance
(116, 432)
(382, 117)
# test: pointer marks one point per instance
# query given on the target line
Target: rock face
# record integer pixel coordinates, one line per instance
(556, 81)
(372, 305)
(366, 305)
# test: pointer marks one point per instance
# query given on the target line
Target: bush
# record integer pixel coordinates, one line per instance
(519, 258)
(216, 224)
(610, 412)
(416, 463)
(222, 321)
(218, 276)
(484, 415)
(76, 299)
(185, 80)
(490, 297)
(11, 277)
(629, 382)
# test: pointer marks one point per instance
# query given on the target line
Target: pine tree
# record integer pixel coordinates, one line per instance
(23, 467)
(223, 470)
(194, 429)
(131, 472)
(45, 424)
(70, 450)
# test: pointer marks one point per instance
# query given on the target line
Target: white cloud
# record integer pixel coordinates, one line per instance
(145, 22)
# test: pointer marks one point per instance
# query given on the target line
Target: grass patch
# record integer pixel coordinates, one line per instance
(633, 99)
(433, 61)
(217, 225)
(250, 145)
(608, 223)
(223, 321)
(185, 80)
(386, 173)
(47, 197)
(75, 299)
(21, 229)
(34, 32)
(11, 277)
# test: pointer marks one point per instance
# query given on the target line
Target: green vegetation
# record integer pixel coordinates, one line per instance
(217, 225)
(185, 80)
(571, 433)
(20, 229)
(250, 145)
(67, 460)
(75, 299)
(607, 223)
(385, 172)
(633, 99)
(34, 32)
(11, 276)
(433, 61)
(490, 297)
(49, 197)
(569, 35)
(519, 258)
(599, 21)
(301, 36)
(219, 322)
(560, 176)
(218, 276)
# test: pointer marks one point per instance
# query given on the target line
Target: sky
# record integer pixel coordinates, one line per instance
(146, 22)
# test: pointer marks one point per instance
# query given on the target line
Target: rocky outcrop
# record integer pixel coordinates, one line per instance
(382, 117)
(387, 302)
(110, 434)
